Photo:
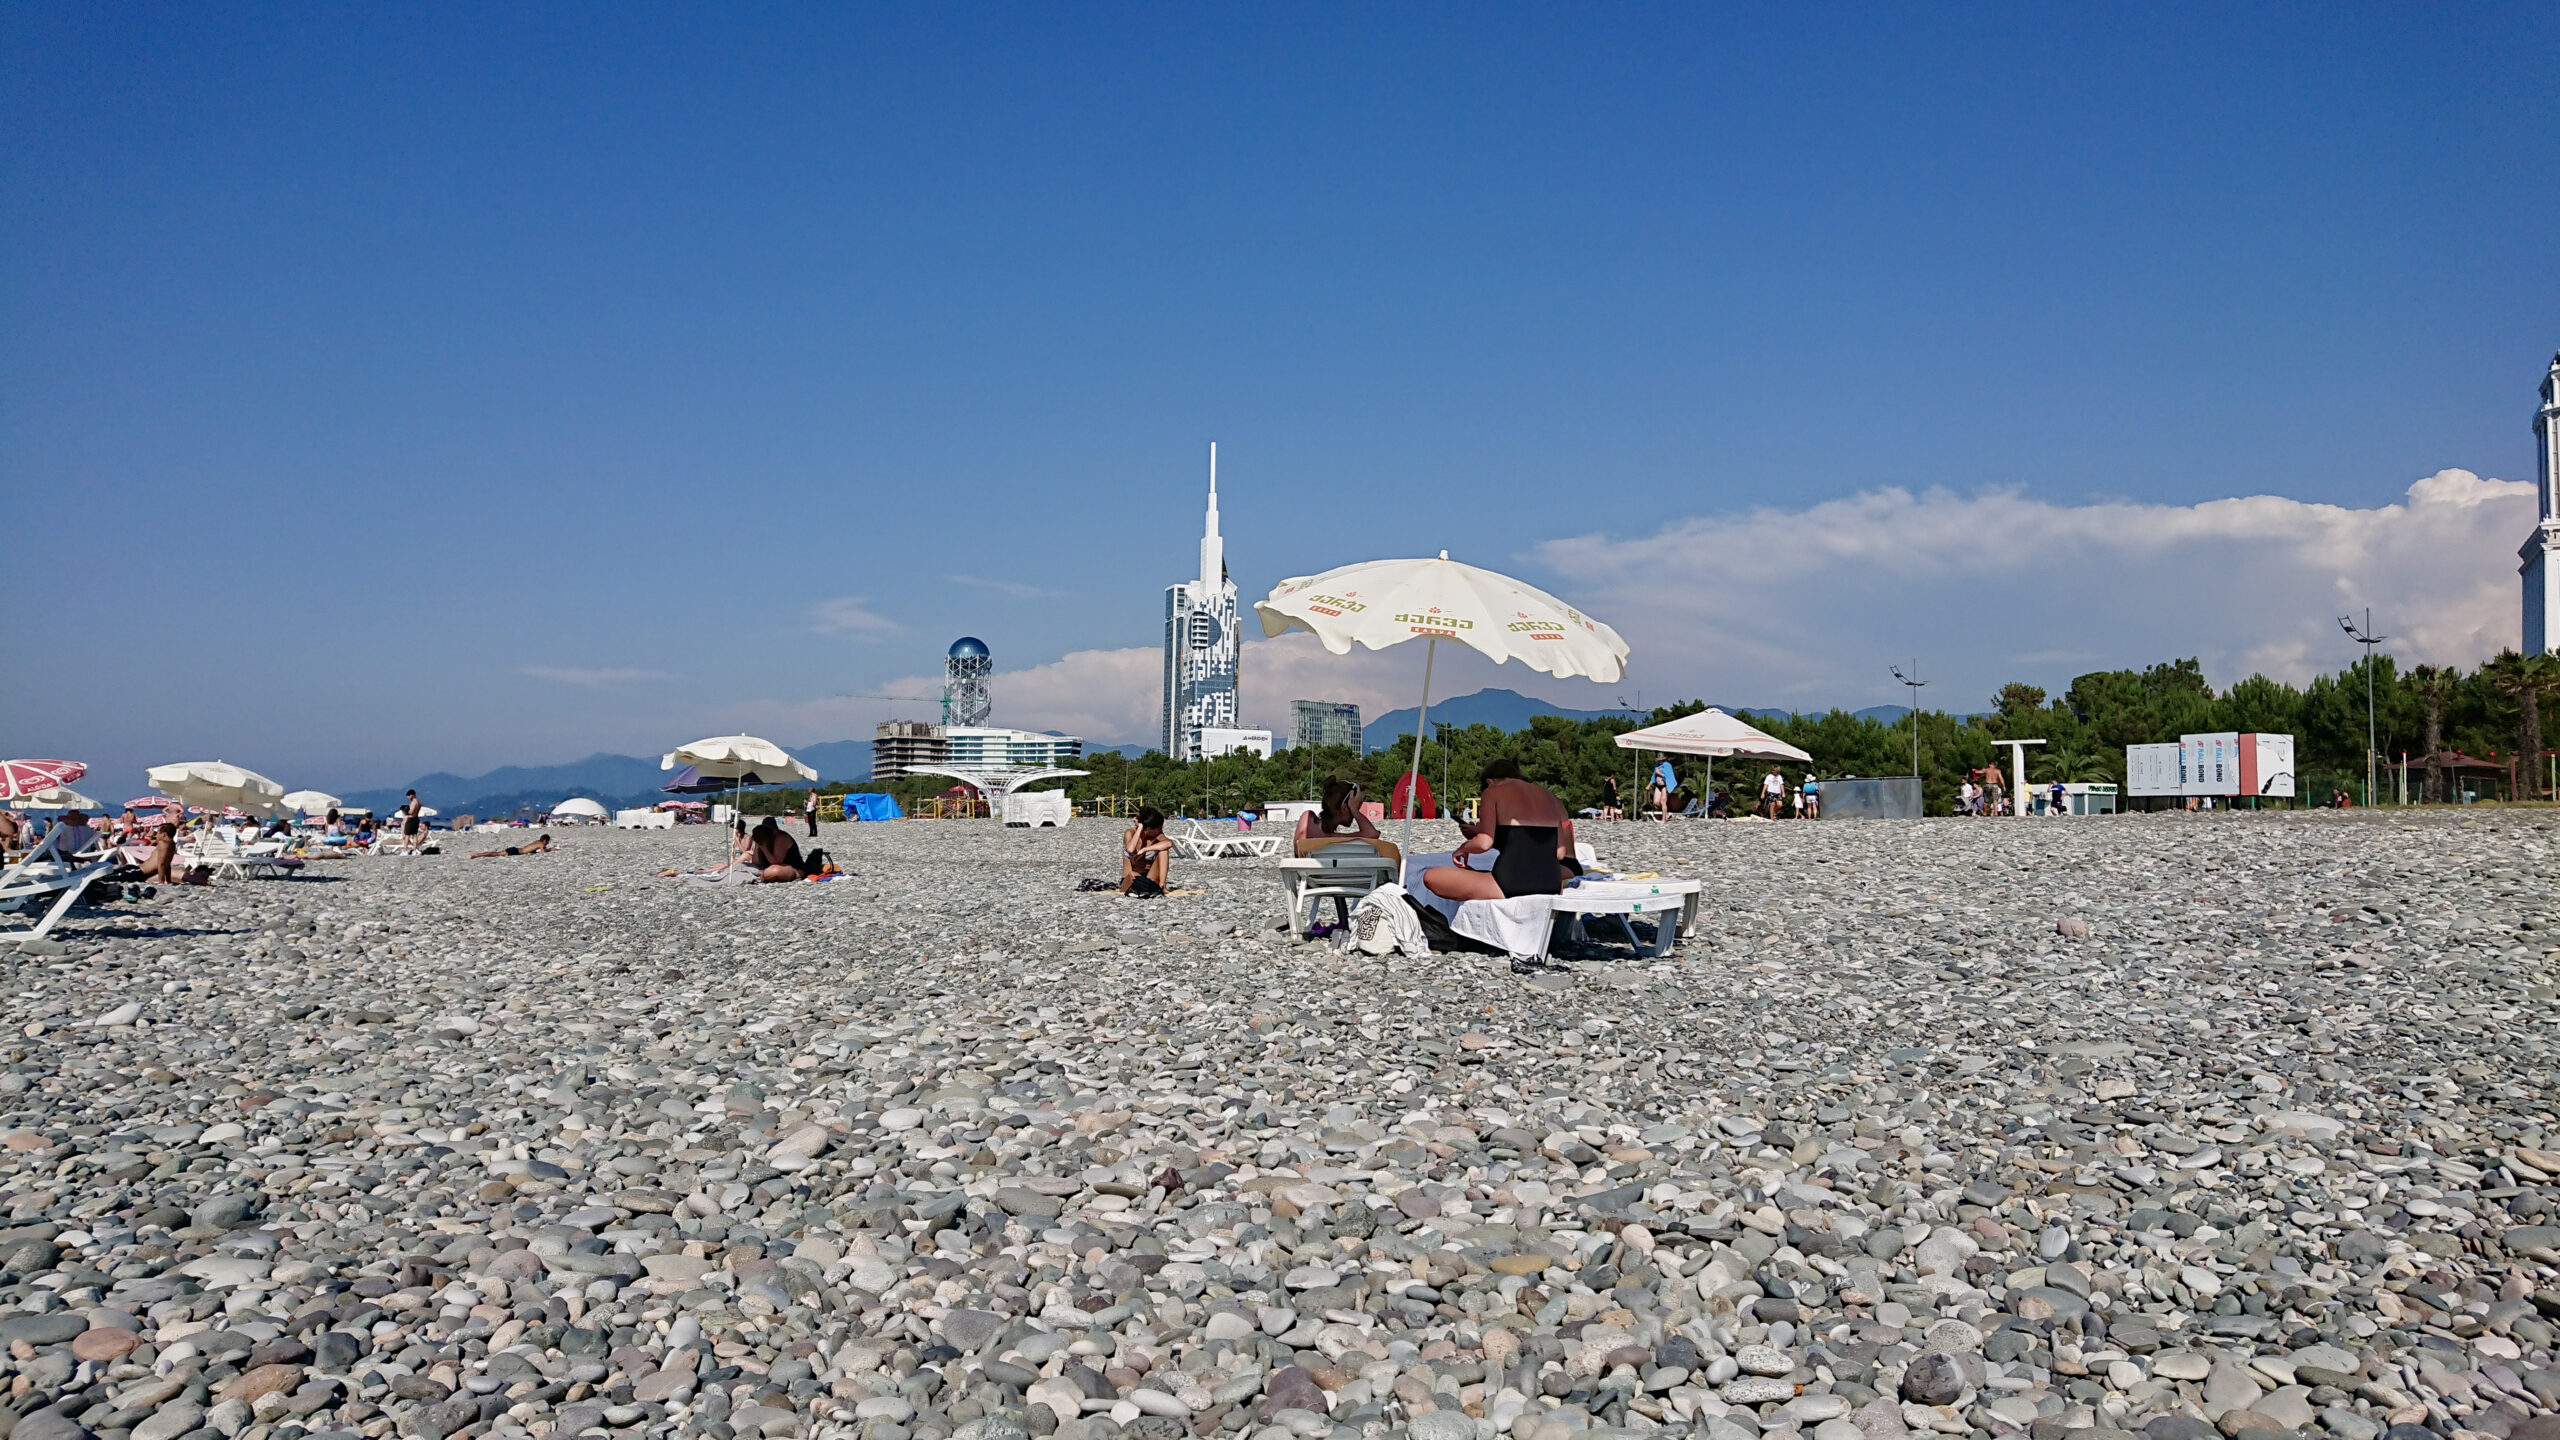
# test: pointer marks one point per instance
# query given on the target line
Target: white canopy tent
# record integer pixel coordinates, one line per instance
(580, 808)
(1710, 732)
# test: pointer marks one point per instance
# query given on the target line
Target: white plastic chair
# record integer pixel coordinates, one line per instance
(1345, 870)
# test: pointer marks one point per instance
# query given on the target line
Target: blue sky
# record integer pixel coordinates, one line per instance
(395, 390)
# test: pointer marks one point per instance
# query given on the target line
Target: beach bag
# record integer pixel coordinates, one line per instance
(1385, 924)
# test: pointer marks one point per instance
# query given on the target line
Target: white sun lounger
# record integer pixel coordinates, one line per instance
(226, 856)
(1198, 843)
(54, 881)
(1525, 926)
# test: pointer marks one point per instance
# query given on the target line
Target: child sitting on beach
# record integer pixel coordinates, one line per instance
(1146, 856)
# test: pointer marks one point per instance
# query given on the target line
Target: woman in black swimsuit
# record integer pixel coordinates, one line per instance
(1528, 825)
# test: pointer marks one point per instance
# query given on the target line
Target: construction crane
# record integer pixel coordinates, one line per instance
(943, 700)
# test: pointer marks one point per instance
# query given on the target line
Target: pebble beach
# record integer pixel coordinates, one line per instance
(2187, 1126)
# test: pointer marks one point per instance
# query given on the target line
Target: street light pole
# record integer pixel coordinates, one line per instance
(2366, 638)
(1915, 712)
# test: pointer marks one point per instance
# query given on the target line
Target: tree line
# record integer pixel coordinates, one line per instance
(2492, 713)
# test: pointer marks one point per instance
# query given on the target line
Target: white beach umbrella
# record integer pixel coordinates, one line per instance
(58, 798)
(739, 759)
(311, 802)
(216, 785)
(1379, 603)
(744, 758)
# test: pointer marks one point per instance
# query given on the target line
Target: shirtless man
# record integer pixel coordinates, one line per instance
(1527, 824)
(538, 847)
(161, 864)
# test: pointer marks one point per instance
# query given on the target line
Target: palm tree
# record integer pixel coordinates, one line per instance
(2523, 679)
(2432, 684)
(2073, 764)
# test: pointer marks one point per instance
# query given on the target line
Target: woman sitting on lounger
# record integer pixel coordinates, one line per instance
(538, 847)
(1528, 825)
(1340, 819)
(1145, 853)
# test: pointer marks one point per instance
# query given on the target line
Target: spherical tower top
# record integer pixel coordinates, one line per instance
(968, 647)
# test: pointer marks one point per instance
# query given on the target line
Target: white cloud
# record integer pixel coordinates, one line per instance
(588, 676)
(849, 615)
(1014, 588)
(1809, 606)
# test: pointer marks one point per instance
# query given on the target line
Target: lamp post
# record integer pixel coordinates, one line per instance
(2366, 638)
(1915, 713)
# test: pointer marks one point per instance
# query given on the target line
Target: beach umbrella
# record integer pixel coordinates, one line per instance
(311, 802)
(580, 808)
(734, 761)
(58, 798)
(26, 777)
(153, 802)
(739, 759)
(1379, 603)
(217, 785)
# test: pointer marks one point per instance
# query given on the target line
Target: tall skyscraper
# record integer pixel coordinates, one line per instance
(2541, 552)
(1201, 643)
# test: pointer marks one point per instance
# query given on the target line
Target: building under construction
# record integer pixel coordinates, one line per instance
(898, 744)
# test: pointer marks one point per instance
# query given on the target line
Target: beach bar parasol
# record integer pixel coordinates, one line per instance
(26, 777)
(1712, 732)
(1379, 603)
(311, 802)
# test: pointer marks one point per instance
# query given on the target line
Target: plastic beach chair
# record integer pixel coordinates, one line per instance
(1345, 871)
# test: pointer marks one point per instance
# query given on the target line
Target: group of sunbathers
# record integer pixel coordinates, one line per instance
(1519, 822)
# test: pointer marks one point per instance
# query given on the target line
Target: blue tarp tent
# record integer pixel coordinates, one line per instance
(865, 805)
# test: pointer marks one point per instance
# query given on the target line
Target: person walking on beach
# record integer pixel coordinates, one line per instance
(413, 826)
(1811, 792)
(809, 811)
(1773, 787)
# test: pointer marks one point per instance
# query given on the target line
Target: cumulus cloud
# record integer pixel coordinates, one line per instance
(1807, 607)
(590, 676)
(850, 615)
(1810, 605)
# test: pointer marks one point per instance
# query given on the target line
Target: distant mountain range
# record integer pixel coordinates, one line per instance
(617, 781)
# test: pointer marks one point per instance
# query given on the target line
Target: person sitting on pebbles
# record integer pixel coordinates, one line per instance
(773, 854)
(538, 847)
(1146, 853)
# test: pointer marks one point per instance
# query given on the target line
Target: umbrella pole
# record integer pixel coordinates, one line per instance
(1430, 653)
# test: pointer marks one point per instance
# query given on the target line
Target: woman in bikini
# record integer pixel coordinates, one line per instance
(1530, 829)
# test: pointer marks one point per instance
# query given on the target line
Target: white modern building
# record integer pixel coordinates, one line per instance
(992, 747)
(2541, 552)
(1202, 642)
(1324, 722)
